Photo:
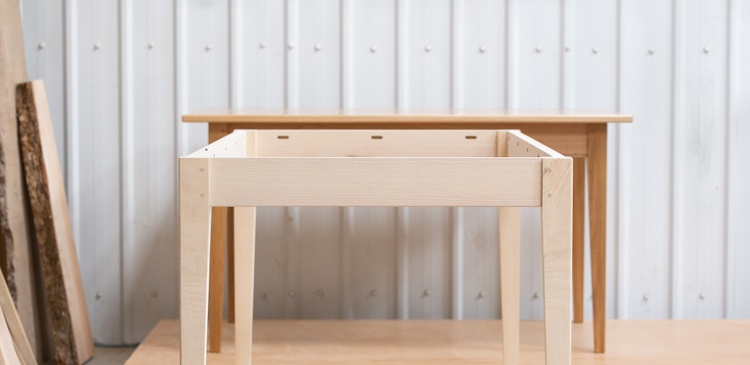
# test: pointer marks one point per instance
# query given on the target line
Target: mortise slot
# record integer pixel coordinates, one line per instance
(377, 137)
(282, 137)
(471, 137)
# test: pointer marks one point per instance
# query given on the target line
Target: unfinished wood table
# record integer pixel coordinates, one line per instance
(579, 134)
(482, 168)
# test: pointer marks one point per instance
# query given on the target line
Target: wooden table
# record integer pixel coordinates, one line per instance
(579, 134)
(391, 168)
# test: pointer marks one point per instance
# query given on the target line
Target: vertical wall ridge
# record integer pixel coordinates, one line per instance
(729, 280)
(72, 117)
(621, 186)
(677, 236)
(126, 169)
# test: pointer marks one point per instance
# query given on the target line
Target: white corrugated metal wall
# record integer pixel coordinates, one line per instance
(120, 73)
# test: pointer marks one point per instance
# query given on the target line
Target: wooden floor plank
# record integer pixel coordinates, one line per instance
(461, 342)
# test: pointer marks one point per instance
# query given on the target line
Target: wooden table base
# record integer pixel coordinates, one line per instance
(582, 135)
(249, 168)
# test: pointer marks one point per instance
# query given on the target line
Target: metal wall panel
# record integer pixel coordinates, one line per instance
(645, 147)
(120, 73)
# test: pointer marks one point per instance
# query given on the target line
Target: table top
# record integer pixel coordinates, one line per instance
(427, 117)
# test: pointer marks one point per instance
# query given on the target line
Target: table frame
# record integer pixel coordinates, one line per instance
(251, 168)
(581, 135)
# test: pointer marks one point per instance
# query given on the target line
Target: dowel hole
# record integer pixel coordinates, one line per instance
(282, 137)
(471, 137)
(377, 137)
(527, 149)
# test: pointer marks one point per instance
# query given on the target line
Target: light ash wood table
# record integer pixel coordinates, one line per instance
(415, 168)
(576, 133)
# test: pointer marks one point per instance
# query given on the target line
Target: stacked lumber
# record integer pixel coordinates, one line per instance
(37, 253)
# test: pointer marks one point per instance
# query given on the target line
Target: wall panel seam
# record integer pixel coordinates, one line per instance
(126, 166)
(622, 187)
(729, 277)
(72, 119)
(676, 249)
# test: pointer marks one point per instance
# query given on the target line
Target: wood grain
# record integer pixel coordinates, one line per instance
(521, 145)
(230, 265)
(8, 354)
(244, 276)
(291, 342)
(195, 220)
(510, 278)
(218, 253)
(579, 202)
(377, 143)
(18, 261)
(557, 237)
(15, 327)
(597, 176)
(433, 117)
(71, 331)
(6, 238)
(216, 280)
(375, 181)
(61, 330)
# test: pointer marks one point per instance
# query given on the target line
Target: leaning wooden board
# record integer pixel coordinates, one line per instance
(71, 331)
(14, 327)
(18, 255)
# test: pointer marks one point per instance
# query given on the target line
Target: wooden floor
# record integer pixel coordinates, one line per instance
(462, 342)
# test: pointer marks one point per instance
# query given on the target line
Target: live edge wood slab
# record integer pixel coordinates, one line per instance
(581, 134)
(70, 330)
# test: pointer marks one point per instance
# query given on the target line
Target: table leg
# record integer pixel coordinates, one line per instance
(510, 280)
(230, 264)
(579, 201)
(244, 275)
(216, 278)
(597, 170)
(195, 219)
(557, 239)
